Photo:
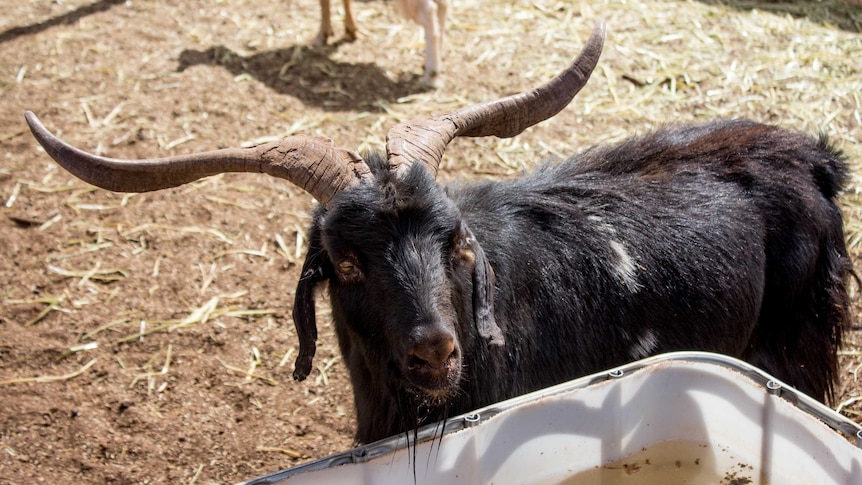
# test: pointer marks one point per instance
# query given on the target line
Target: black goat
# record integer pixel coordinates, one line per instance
(722, 237)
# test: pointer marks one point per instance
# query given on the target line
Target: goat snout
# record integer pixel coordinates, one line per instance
(433, 362)
(433, 353)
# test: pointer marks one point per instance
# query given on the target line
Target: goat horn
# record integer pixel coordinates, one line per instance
(312, 163)
(425, 140)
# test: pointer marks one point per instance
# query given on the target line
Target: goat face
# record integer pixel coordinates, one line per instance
(408, 283)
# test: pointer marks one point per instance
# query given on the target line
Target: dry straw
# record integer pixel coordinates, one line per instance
(46, 379)
(790, 62)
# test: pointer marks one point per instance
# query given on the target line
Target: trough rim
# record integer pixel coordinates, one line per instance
(768, 383)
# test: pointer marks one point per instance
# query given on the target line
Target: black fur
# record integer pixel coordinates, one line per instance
(722, 237)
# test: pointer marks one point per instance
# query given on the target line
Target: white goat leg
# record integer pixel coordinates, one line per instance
(428, 15)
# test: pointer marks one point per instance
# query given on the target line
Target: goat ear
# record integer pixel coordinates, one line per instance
(483, 289)
(315, 270)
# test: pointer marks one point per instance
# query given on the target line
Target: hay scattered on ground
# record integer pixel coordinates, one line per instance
(132, 310)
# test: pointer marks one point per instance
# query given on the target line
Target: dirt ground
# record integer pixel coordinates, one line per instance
(147, 338)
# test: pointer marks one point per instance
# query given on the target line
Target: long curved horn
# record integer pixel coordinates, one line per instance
(425, 140)
(311, 163)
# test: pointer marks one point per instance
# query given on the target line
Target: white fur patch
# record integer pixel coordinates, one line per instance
(645, 346)
(603, 226)
(625, 268)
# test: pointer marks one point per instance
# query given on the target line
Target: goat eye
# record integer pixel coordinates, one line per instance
(463, 252)
(467, 256)
(349, 272)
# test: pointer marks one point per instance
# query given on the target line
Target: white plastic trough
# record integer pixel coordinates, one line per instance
(688, 417)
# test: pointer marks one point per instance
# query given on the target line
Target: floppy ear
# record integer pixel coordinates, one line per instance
(483, 288)
(315, 270)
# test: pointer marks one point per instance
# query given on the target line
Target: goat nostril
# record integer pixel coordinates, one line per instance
(415, 363)
(432, 356)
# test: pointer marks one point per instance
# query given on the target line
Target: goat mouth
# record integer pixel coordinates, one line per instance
(434, 385)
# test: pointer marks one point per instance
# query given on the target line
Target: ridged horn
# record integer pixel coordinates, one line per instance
(425, 140)
(311, 163)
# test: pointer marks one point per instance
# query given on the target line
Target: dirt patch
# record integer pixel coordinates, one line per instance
(149, 336)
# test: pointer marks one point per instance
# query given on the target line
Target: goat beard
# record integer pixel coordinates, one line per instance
(415, 415)
(436, 398)
(423, 408)
(418, 406)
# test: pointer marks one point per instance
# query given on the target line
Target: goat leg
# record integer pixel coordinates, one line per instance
(325, 24)
(432, 18)
(350, 30)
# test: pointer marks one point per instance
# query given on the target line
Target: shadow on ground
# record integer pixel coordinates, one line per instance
(310, 75)
(64, 19)
(844, 14)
